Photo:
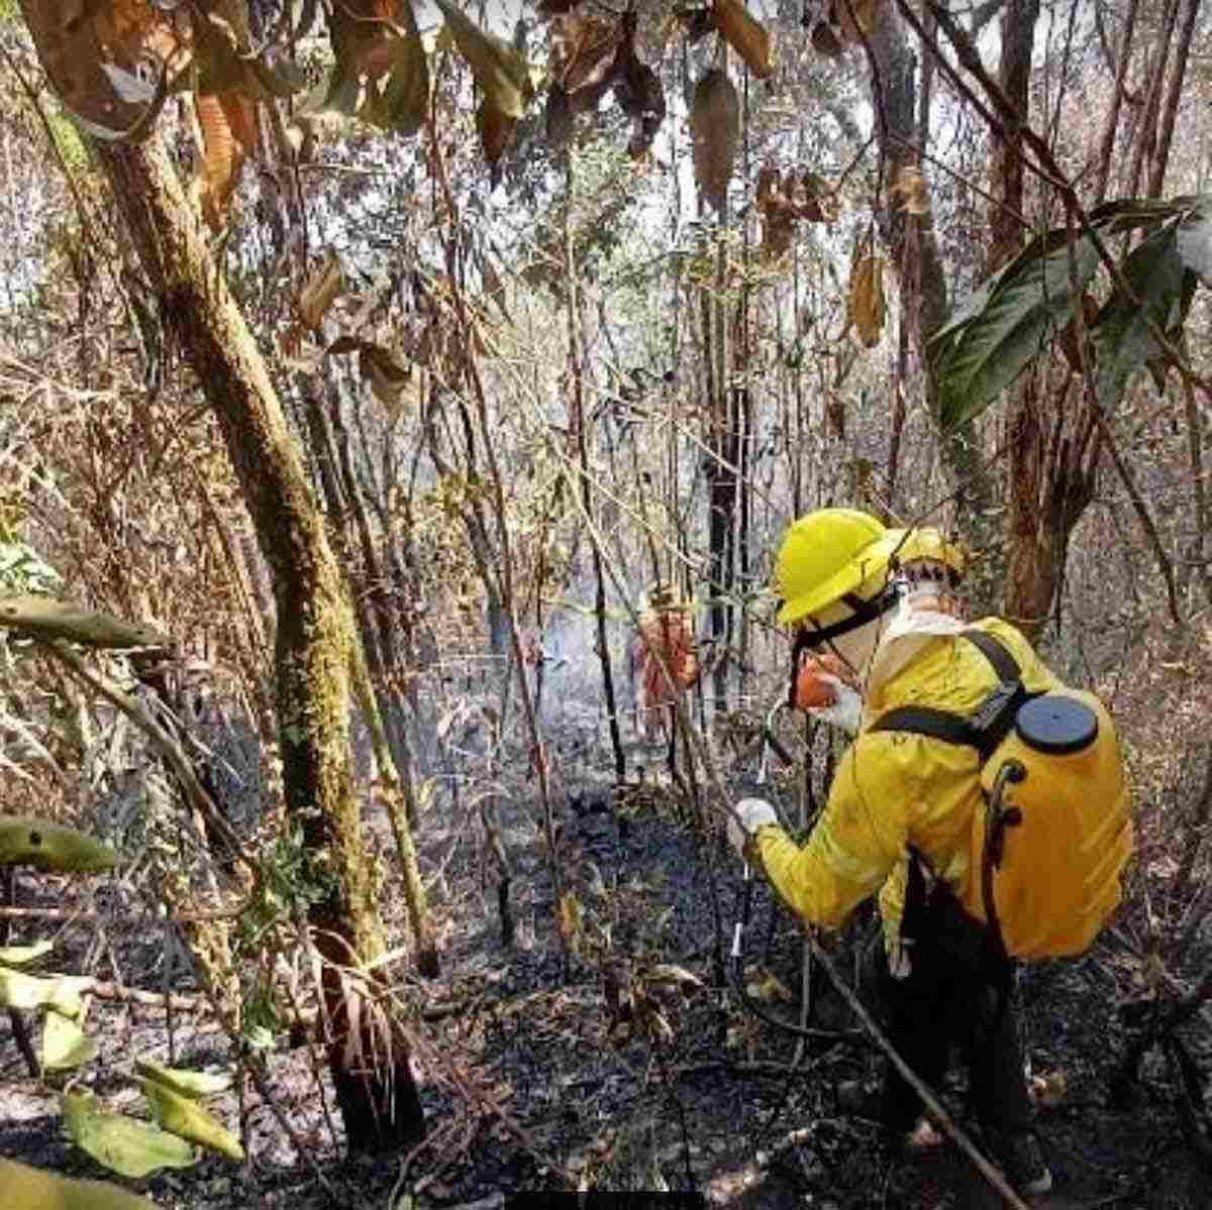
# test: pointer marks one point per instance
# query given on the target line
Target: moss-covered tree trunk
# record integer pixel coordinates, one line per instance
(368, 1058)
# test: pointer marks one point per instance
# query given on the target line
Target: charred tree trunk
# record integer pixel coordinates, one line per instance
(367, 1054)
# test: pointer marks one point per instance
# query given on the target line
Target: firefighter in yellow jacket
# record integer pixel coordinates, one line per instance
(898, 822)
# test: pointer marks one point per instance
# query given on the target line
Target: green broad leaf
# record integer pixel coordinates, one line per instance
(50, 846)
(193, 1084)
(124, 1145)
(1012, 322)
(1120, 336)
(188, 1120)
(64, 1043)
(1010, 318)
(23, 955)
(28, 993)
(28, 1188)
(499, 69)
(45, 618)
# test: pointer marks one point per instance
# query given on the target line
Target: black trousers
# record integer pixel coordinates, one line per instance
(957, 994)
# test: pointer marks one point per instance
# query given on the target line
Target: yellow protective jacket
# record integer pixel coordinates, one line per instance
(893, 790)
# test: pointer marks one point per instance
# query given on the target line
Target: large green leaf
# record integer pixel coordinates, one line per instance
(125, 1145)
(30, 992)
(35, 1189)
(1011, 317)
(1029, 299)
(192, 1084)
(50, 846)
(187, 1119)
(23, 955)
(1121, 336)
(64, 1043)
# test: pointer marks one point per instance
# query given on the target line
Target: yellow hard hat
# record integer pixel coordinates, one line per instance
(837, 555)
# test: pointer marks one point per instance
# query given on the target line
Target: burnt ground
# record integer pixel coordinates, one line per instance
(608, 1066)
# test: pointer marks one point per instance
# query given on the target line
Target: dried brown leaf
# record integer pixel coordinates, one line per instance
(496, 129)
(583, 49)
(714, 128)
(825, 40)
(229, 128)
(909, 191)
(320, 290)
(1068, 336)
(745, 34)
(866, 301)
(856, 19)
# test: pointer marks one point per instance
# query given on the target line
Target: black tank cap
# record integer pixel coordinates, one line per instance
(1056, 724)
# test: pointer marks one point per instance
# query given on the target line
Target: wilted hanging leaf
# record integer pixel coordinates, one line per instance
(320, 290)
(188, 1120)
(23, 955)
(125, 1145)
(64, 1043)
(28, 993)
(85, 51)
(714, 127)
(558, 118)
(778, 231)
(499, 69)
(856, 19)
(866, 302)
(637, 88)
(495, 129)
(745, 34)
(825, 40)
(811, 197)
(45, 618)
(33, 1189)
(228, 122)
(403, 104)
(909, 190)
(583, 49)
(192, 1084)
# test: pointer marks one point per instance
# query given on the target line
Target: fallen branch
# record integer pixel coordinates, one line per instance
(136, 995)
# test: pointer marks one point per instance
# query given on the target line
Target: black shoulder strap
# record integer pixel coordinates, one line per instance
(996, 652)
(988, 725)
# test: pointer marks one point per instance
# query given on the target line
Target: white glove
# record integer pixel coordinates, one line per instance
(847, 709)
(751, 814)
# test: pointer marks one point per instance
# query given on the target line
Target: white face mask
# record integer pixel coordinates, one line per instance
(846, 711)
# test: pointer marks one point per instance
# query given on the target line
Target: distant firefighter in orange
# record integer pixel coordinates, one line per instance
(665, 633)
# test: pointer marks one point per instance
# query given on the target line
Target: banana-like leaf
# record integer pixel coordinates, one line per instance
(188, 1120)
(64, 1043)
(1018, 312)
(192, 1084)
(46, 618)
(1013, 315)
(28, 1188)
(50, 846)
(28, 993)
(1121, 337)
(23, 955)
(499, 69)
(124, 1145)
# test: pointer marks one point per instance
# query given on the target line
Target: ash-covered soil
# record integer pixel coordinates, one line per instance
(620, 1062)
